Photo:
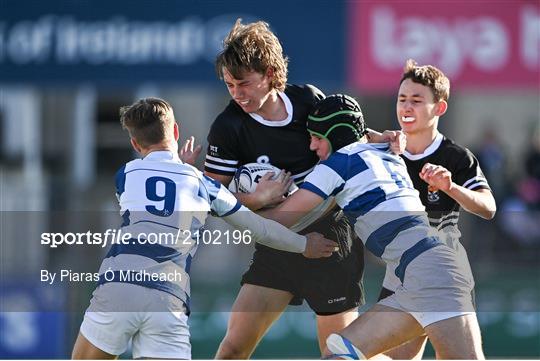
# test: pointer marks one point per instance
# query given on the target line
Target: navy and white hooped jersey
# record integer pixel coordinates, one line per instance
(164, 204)
(373, 187)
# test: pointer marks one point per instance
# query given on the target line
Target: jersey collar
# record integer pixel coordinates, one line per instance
(273, 123)
(160, 155)
(429, 150)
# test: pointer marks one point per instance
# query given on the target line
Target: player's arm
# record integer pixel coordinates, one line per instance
(396, 138)
(264, 231)
(273, 234)
(293, 208)
(251, 201)
(268, 192)
(480, 202)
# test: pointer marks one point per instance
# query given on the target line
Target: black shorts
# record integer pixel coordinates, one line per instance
(329, 285)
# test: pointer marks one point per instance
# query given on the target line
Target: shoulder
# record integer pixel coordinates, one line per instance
(304, 93)
(464, 166)
(120, 179)
(230, 118)
(129, 166)
(457, 152)
(341, 161)
(227, 125)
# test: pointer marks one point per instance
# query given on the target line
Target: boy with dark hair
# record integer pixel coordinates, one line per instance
(447, 175)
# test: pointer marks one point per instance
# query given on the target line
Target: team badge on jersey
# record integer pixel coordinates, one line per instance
(432, 194)
(213, 150)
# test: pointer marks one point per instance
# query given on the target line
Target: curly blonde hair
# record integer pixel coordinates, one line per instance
(429, 76)
(253, 47)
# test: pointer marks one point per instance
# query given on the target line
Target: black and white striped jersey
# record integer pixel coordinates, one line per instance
(237, 138)
(443, 211)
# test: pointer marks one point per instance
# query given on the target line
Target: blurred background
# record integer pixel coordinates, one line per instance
(66, 66)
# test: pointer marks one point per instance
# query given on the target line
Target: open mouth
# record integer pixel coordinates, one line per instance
(408, 119)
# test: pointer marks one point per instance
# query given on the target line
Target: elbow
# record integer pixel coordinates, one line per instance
(489, 207)
(489, 214)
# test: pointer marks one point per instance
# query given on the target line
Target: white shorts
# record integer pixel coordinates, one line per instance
(391, 282)
(437, 285)
(155, 322)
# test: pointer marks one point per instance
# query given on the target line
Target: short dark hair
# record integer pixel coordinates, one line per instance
(147, 120)
(429, 76)
(253, 47)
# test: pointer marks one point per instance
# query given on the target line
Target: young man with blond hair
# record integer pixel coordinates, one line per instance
(265, 122)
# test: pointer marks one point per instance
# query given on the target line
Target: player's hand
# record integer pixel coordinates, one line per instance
(188, 153)
(271, 191)
(397, 140)
(437, 176)
(317, 246)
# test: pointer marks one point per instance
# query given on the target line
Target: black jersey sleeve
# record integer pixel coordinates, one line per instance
(222, 152)
(468, 173)
(315, 92)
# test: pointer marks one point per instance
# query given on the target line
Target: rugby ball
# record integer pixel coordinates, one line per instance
(247, 178)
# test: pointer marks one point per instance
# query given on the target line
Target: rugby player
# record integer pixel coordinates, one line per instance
(265, 122)
(374, 189)
(446, 174)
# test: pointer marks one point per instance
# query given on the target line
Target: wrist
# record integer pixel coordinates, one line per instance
(452, 187)
(305, 244)
(257, 200)
(249, 200)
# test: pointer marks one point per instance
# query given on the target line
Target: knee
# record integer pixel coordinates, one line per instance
(228, 349)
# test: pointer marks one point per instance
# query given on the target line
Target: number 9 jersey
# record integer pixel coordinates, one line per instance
(163, 203)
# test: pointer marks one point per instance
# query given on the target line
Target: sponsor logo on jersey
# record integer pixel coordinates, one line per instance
(433, 194)
(214, 150)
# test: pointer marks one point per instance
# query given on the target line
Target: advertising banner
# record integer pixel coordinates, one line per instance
(478, 44)
(118, 42)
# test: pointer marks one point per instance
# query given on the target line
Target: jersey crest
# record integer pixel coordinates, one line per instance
(433, 195)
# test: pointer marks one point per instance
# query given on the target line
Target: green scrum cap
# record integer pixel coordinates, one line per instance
(337, 118)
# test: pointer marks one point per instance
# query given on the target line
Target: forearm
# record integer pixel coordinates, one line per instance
(287, 219)
(480, 203)
(250, 200)
(267, 232)
(374, 137)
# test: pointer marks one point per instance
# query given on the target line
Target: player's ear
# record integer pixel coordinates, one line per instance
(441, 107)
(176, 132)
(270, 72)
(135, 145)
